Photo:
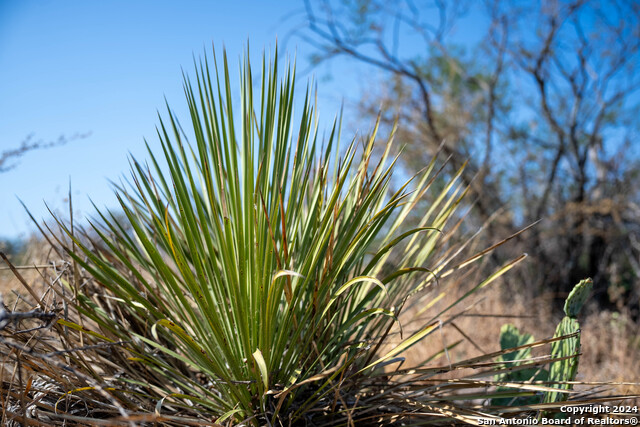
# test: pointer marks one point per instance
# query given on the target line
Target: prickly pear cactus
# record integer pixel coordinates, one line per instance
(566, 369)
(511, 337)
(577, 297)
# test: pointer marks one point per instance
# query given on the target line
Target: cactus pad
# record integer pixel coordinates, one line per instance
(566, 369)
(568, 349)
(511, 337)
(577, 297)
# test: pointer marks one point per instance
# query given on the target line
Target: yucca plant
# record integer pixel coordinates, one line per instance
(258, 273)
(257, 258)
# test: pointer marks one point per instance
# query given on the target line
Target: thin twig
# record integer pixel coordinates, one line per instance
(7, 317)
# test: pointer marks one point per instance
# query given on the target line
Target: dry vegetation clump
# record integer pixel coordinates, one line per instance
(34, 252)
(611, 349)
(51, 375)
(54, 375)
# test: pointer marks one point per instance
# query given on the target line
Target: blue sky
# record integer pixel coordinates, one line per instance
(105, 68)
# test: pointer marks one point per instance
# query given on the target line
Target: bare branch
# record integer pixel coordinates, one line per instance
(7, 316)
(8, 158)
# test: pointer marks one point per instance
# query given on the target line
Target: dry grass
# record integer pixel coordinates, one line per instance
(32, 266)
(610, 340)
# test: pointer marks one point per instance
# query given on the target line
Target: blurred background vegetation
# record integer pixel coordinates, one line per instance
(542, 104)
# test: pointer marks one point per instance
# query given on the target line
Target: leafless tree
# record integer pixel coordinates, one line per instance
(544, 109)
